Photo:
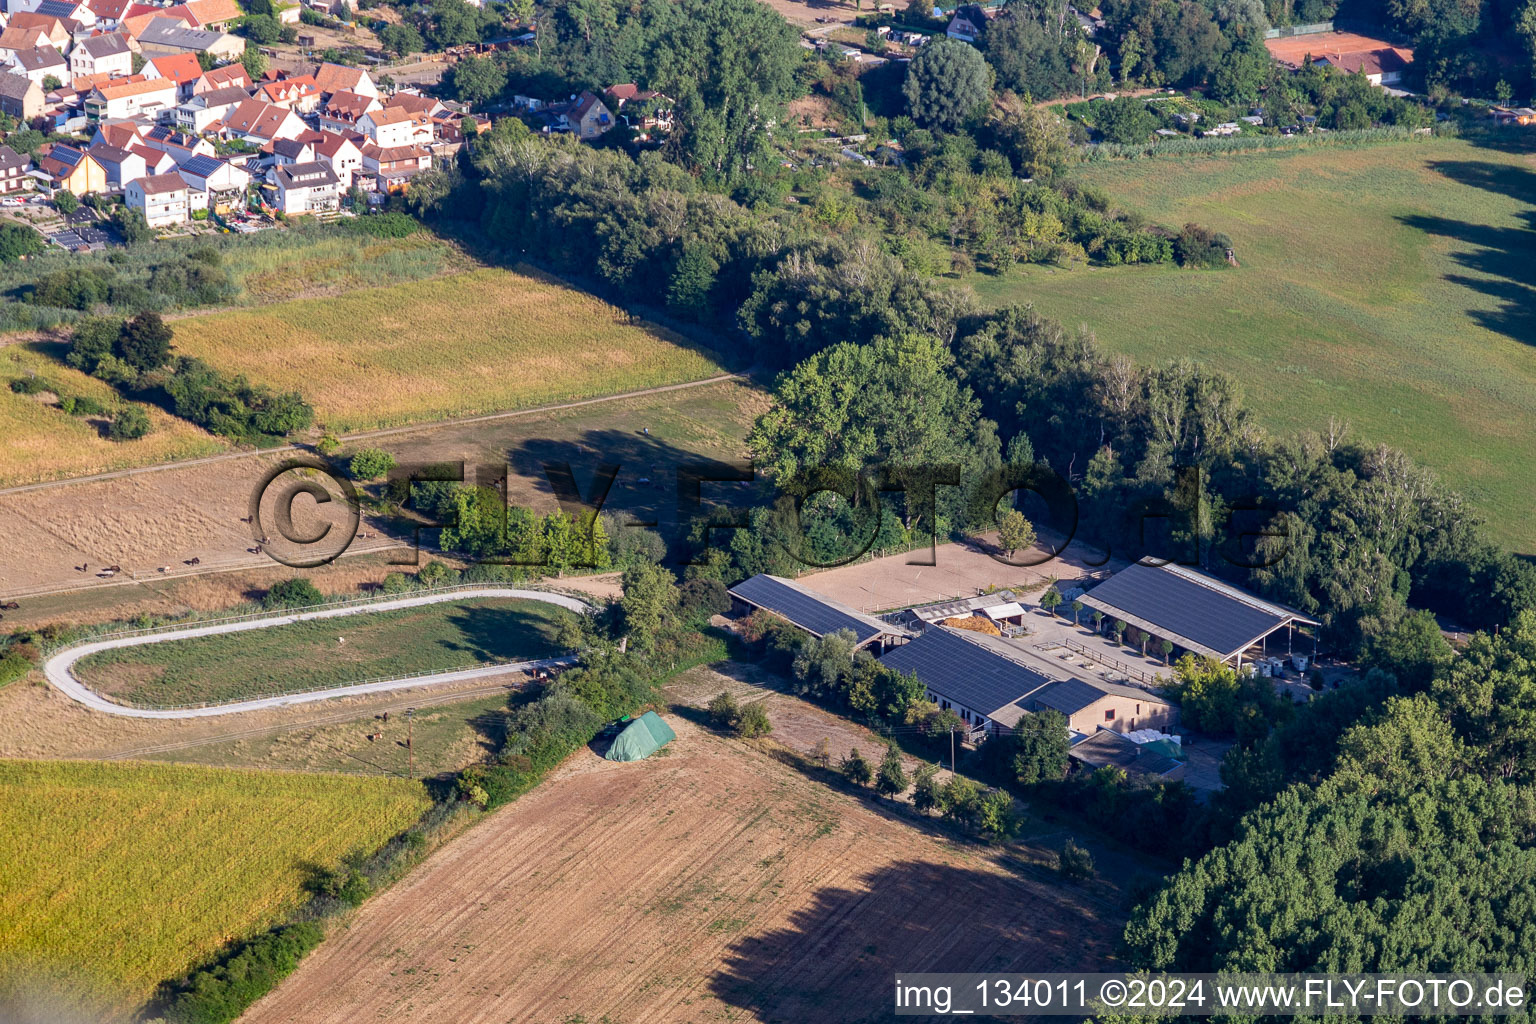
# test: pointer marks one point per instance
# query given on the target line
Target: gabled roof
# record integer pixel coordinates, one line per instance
(159, 184)
(1107, 747)
(59, 9)
(121, 134)
(338, 78)
(202, 166)
(289, 148)
(178, 67)
(234, 74)
(16, 86)
(333, 142)
(10, 158)
(172, 32)
(307, 175)
(290, 88)
(961, 667)
(40, 59)
(396, 115)
(1198, 612)
(254, 117)
(105, 154)
(152, 156)
(108, 10)
(348, 106)
(15, 38)
(111, 44)
(225, 97)
(416, 104)
(118, 88)
(206, 12)
(809, 610)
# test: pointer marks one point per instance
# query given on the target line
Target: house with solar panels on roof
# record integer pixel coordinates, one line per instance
(1198, 613)
(812, 612)
(992, 683)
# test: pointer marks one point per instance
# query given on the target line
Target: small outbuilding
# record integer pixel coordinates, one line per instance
(641, 738)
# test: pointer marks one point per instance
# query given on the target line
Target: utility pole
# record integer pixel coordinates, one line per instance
(410, 737)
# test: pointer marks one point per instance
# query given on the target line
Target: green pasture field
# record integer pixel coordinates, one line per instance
(1391, 287)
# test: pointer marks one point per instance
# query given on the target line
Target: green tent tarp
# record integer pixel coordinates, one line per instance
(641, 738)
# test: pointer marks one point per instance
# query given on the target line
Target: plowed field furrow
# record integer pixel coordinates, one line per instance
(710, 883)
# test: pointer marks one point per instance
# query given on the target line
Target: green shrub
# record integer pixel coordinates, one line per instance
(13, 665)
(220, 993)
(29, 385)
(385, 225)
(723, 711)
(370, 463)
(753, 721)
(81, 405)
(130, 424)
(295, 593)
(1074, 862)
(396, 583)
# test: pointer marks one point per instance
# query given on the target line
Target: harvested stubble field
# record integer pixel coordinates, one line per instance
(323, 653)
(1389, 286)
(120, 876)
(482, 341)
(43, 442)
(712, 882)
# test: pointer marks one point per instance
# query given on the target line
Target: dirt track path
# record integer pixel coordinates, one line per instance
(59, 671)
(117, 474)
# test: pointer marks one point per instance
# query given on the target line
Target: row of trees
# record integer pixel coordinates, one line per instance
(1438, 757)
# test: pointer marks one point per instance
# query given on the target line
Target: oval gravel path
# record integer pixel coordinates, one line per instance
(59, 667)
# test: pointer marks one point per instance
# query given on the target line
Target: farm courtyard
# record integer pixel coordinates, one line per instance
(715, 881)
(1389, 286)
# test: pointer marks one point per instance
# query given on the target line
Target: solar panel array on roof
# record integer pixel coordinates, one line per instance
(809, 611)
(1173, 602)
(56, 9)
(202, 166)
(1068, 696)
(963, 671)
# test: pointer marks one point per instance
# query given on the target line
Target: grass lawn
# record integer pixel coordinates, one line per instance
(306, 655)
(482, 341)
(1390, 286)
(42, 442)
(119, 876)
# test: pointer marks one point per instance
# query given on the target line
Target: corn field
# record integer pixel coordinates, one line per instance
(121, 875)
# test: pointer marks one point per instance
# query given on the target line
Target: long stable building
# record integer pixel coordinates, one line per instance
(1196, 612)
(814, 613)
(991, 684)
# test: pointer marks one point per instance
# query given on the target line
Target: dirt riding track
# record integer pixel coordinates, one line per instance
(710, 883)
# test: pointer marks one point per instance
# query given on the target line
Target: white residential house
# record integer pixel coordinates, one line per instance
(334, 78)
(180, 147)
(161, 198)
(260, 123)
(306, 188)
(343, 155)
(101, 55)
(41, 64)
(197, 113)
(395, 126)
(121, 165)
(216, 177)
(126, 99)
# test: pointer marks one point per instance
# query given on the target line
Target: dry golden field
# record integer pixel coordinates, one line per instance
(482, 341)
(42, 442)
